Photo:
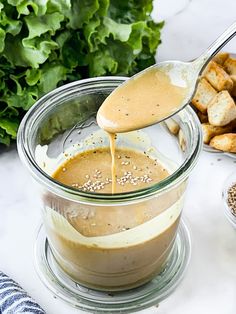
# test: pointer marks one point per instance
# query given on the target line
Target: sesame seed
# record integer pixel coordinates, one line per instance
(75, 185)
(231, 199)
(129, 178)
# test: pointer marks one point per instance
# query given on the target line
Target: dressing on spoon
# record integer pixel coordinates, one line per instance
(146, 98)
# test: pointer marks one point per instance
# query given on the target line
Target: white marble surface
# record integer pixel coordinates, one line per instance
(209, 285)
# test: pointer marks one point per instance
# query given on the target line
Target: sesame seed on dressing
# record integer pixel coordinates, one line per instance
(91, 172)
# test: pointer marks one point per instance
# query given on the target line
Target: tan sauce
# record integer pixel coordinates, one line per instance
(90, 171)
(141, 101)
(112, 139)
(112, 247)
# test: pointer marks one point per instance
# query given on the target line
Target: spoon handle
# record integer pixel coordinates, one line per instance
(212, 50)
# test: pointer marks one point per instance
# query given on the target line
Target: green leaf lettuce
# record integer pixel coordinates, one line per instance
(44, 44)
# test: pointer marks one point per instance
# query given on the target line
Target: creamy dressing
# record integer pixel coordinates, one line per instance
(141, 101)
(112, 139)
(113, 247)
(90, 171)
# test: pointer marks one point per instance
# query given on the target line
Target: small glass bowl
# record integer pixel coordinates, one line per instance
(231, 179)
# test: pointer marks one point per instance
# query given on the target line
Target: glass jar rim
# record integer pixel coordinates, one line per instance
(71, 193)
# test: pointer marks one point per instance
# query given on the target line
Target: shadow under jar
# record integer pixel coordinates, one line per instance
(104, 241)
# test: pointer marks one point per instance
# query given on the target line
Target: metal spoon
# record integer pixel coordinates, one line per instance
(184, 74)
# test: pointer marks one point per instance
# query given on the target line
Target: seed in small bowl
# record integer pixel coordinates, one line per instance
(231, 198)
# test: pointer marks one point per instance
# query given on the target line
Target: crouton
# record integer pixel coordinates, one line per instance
(217, 77)
(225, 142)
(204, 94)
(182, 141)
(221, 57)
(222, 109)
(209, 131)
(202, 117)
(230, 66)
(233, 78)
(172, 125)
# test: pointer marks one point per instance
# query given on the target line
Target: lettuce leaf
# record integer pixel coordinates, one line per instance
(44, 44)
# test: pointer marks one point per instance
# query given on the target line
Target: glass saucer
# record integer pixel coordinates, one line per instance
(60, 284)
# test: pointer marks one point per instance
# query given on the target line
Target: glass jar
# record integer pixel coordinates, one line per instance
(104, 241)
